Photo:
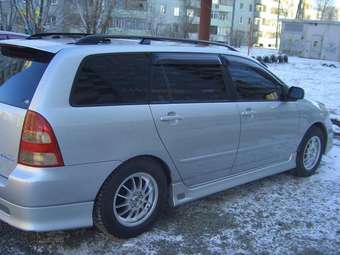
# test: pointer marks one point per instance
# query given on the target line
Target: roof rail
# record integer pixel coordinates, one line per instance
(57, 35)
(146, 40)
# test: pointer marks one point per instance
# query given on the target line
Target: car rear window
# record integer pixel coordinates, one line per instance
(20, 72)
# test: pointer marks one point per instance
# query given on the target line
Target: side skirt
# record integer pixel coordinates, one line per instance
(182, 194)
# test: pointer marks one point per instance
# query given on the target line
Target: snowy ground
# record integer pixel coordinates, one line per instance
(281, 214)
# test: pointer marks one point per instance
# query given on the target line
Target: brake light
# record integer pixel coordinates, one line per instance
(38, 145)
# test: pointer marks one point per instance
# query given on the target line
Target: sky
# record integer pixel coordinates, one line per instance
(337, 2)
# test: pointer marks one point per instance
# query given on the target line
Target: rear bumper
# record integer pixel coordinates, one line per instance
(46, 199)
(48, 218)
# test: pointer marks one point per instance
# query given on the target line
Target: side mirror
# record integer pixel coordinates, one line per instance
(295, 93)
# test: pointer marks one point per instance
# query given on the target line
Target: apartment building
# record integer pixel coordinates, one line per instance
(176, 18)
(243, 20)
(267, 19)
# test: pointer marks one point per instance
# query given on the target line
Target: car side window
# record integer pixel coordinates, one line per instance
(251, 83)
(112, 79)
(188, 79)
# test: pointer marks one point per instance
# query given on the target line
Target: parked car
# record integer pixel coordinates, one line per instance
(107, 131)
(5, 35)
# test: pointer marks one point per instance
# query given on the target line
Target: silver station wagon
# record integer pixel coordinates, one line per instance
(106, 131)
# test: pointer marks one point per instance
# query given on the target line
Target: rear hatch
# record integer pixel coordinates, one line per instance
(20, 72)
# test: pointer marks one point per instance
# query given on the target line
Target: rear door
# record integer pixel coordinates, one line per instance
(20, 72)
(196, 122)
(269, 125)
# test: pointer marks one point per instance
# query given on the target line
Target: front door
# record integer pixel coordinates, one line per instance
(269, 125)
(195, 121)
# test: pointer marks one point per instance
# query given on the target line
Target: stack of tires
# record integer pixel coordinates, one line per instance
(280, 59)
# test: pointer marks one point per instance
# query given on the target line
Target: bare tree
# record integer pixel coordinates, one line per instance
(8, 15)
(159, 25)
(331, 13)
(156, 20)
(300, 10)
(322, 7)
(187, 19)
(35, 14)
(95, 15)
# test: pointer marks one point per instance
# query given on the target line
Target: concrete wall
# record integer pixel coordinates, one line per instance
(318, 40)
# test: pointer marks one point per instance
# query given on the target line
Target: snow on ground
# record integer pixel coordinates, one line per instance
(281, 214)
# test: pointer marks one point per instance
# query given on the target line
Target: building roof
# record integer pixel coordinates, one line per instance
(311, 22)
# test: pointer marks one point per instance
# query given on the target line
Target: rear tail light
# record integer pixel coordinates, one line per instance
(38, 145)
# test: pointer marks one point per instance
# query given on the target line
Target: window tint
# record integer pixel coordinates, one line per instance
(189, 82)
(20, 73)
(252, 84)
(112, 79)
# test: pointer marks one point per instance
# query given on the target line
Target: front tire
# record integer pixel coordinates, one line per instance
(131, 199)
(309, 153)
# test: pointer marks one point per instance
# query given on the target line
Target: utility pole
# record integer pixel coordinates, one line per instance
(233, 24)
(277, 24)
(205, 20)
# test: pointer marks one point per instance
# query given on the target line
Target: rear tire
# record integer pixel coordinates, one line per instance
(309, 153)
(126, 212)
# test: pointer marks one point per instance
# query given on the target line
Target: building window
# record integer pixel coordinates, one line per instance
(250, 7)
(54, 2)
(53, 20)
(241, 20)
(176, 11)
(163, 9)
(241, 5)
(261, 8)
(249, 21)
(220, 15)
(190, 13)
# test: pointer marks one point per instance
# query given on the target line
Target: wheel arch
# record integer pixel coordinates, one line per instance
(156, 160)
(164, 166)
(323, 129)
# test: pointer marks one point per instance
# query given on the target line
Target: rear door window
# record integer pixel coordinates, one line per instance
(20, 72)
(187, 78)
(112, 79)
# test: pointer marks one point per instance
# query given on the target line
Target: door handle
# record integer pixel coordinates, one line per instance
(171, 116)
(248, 113)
